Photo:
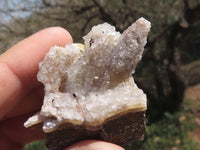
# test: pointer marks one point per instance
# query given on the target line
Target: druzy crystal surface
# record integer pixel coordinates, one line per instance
(88, 84)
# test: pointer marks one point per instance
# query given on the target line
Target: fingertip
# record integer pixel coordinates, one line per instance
(62, 35)
(94, 145)
(23, 58)
(20, 64)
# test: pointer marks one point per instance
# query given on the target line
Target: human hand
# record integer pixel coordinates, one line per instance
(22, 95)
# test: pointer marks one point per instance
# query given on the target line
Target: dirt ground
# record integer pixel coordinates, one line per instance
(193, 94)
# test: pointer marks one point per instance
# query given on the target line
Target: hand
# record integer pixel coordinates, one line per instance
(21, 95)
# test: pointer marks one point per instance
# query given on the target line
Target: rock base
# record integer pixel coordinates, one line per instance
(122, 130)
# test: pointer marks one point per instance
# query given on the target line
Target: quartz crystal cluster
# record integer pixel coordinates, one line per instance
(92, 83)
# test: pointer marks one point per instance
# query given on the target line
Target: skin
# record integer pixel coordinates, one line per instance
(21, 95)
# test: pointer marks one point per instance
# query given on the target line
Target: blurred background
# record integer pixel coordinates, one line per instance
(169, 72)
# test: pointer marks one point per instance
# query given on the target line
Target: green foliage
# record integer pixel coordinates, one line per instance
(37, 145)
(169, 133)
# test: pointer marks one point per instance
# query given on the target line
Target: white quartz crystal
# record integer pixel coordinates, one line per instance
(87, 84)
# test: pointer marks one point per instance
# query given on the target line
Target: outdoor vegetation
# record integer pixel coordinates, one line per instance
(168, 73)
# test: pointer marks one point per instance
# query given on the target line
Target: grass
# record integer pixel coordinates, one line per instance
(173, 132)
(170, 133)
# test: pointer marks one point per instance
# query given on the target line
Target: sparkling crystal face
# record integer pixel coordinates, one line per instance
(87, 84)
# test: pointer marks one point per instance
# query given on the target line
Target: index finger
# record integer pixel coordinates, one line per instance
(19, 65)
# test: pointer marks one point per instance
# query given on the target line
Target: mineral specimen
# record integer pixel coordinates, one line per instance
(89, 89)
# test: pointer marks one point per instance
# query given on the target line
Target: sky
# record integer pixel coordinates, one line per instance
(10, 9)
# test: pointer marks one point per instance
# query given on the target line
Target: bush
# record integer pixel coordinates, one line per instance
(169, 133)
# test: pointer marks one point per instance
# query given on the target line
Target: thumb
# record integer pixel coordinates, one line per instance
(94, 145)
